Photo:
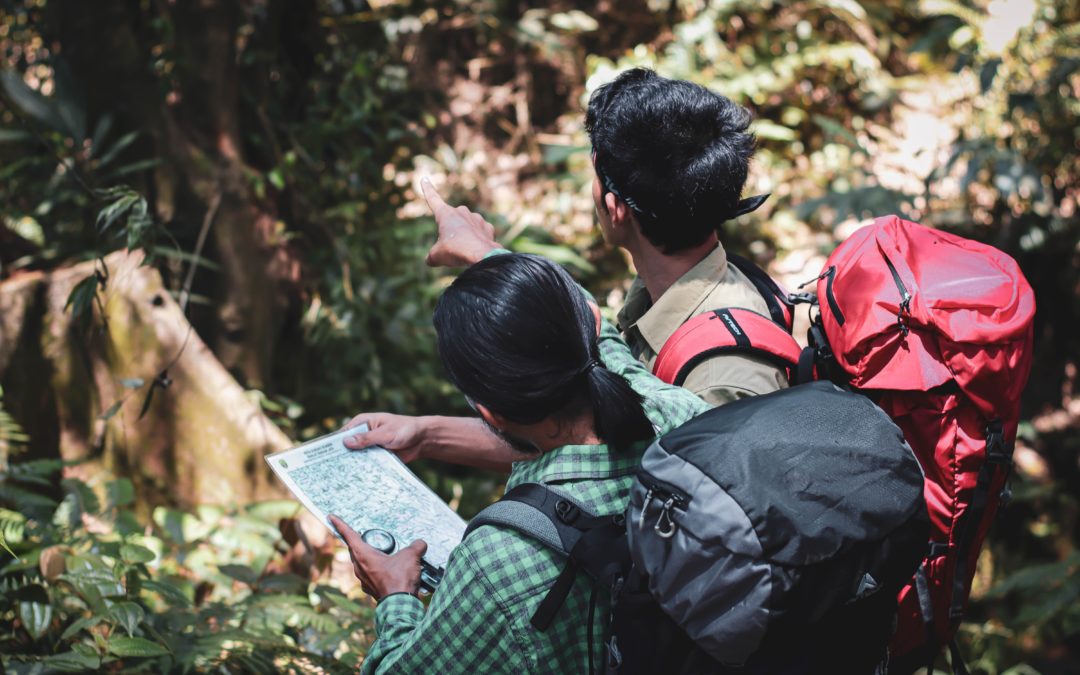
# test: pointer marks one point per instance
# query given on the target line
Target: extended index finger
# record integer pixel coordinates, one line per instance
(434, 200)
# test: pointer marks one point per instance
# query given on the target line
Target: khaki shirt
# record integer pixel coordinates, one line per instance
(709, 285)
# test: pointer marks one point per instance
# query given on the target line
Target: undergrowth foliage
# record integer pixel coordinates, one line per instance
(85, 584)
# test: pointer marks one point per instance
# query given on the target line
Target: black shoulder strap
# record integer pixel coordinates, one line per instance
(594, 544)
(539, 512)
(781, 309)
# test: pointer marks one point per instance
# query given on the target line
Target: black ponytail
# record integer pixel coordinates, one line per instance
(517, 335)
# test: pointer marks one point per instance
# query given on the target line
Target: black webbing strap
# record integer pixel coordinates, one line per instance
(926, 608)
(593, 544)
(805, 372)
(958, 665)
(556, 596)
(766, 286)
(998, 454)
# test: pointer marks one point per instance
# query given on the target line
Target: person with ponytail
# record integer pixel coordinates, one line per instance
(523, 343)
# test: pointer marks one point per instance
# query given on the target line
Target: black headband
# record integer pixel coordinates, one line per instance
(744, 206)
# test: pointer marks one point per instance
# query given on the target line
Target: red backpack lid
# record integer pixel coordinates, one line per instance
(908, 307)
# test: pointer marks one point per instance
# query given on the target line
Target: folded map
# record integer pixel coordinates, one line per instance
(368, 489)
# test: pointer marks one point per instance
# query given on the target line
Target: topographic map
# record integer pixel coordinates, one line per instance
(368, 489)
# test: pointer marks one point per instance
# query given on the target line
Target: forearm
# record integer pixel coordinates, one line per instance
(466, 441)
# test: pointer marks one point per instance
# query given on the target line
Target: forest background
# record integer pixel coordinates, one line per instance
(211, 247)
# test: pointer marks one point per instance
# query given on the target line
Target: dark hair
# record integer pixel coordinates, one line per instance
(674, 151)
(517, 335)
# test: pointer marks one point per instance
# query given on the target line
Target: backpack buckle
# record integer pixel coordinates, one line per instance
(996, 450)
(566, 511)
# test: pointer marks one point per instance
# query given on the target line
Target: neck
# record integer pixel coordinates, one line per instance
(553, 433)
(660, 271)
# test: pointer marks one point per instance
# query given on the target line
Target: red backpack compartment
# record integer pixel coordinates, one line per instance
(937, 330)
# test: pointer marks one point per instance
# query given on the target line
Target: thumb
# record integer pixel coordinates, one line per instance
(380, 436)
(418, 548)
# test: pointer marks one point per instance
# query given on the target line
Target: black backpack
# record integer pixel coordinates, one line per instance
(769, 535)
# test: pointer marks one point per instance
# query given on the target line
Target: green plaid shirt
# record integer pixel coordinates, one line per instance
(478, 620)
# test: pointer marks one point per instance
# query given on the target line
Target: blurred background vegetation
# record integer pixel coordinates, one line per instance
(263, 158)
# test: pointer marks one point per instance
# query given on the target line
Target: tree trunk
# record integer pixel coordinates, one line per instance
(191, 117)
(80, 390)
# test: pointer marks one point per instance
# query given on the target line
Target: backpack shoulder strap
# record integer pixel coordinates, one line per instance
(728, 330)
(781, 308)
(540, 513)
(595, 544)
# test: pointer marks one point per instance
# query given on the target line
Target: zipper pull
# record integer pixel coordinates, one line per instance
(665, 526)
(828, 272)
(644, 507)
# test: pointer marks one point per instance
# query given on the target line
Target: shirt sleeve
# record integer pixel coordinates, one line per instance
(729, 377)
(666, 405)
(464, 629)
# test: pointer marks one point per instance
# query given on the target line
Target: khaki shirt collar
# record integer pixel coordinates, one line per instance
(683, 300)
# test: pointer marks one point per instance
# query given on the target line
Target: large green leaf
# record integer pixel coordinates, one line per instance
(41, 109)
(133, 554)
(128, 615)
(133, 646)
(241, 573)
(35, 610)
(171, 592)
(73, 662)
(121, 492)
(79, 626)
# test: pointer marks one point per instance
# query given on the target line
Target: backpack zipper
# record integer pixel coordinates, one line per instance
(672, 498)
(829, 275)
(905, 297)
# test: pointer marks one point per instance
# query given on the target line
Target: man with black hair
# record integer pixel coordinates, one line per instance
(671, 160)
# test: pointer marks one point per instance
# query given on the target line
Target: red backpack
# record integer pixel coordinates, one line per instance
(937, 330)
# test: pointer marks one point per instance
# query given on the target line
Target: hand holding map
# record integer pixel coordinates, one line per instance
(368, 489)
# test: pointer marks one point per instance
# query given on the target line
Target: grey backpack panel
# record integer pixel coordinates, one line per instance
(718, 587)
(736, 513)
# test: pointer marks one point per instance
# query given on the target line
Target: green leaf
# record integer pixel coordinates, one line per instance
(138, 647)
(73, 662)
(13, 135)
(120, 492)
(79, 626)
(241, 573)
(774, 132)
(133, 554)
(35, 611)
(43, 110)
(118, 147)
(273, 511)
(87, 498)
(276, 179)
(169, 591)
(128, 615)
(82, 296)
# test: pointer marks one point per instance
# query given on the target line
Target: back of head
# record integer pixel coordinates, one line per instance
(674, 151)
(517, 335)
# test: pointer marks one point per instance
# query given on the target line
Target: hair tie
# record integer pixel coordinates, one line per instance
(593, 363)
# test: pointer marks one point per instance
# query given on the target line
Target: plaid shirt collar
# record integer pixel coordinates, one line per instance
(577, 462)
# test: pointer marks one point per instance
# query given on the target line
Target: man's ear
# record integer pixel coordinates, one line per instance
(493, 418)
(614, 204)
(596, 315)
(622, 217)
